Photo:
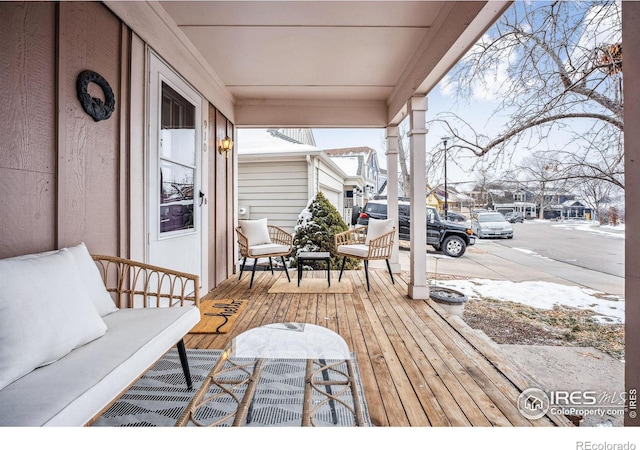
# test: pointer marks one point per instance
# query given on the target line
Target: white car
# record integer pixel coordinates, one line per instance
(491, 224)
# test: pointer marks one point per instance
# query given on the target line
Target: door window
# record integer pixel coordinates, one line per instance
(177, 162)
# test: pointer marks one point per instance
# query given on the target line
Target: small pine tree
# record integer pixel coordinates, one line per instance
(317, 225)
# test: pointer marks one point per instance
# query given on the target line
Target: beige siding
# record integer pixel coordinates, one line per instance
(27, 124)
(65, 178)
(59, 169)
(276, 190)
(331, 184)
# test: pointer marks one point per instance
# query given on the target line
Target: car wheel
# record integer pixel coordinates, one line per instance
(454, 246)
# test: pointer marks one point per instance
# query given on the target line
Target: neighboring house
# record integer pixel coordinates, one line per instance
(278, 175)
(456, 201)
(363, 172)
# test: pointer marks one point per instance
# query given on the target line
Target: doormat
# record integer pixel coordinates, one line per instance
(217, 316)
(311, 286)
(161, 395)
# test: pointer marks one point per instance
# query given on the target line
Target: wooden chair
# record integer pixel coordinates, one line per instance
(367, 243)
(279, 243)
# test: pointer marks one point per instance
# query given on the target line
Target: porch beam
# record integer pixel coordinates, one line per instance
(392, 192)
(310, 113)
(418, 288)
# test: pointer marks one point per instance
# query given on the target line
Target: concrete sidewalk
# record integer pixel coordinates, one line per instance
(490, 260)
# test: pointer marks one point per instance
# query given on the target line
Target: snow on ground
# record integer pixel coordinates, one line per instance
(544, 295)
(592, 227)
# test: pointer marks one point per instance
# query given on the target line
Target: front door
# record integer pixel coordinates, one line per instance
(175, 235)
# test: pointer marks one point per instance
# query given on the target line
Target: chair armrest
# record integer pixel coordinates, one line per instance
(279, 236)
(354, 236)
(243, 242)
(137, 284)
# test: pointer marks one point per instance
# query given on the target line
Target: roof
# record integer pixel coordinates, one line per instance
(261, 141)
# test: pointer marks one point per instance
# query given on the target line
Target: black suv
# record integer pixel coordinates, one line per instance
(447, 236)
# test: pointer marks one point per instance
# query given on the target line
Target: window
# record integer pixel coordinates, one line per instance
(177, 162)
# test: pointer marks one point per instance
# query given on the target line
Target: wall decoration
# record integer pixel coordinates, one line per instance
(95, 107)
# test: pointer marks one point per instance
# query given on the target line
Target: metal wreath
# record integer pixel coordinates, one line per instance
(95, 107)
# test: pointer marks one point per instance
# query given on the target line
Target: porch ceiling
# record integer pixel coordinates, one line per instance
(329, 63)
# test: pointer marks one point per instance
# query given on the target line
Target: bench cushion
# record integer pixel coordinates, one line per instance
(78, 386)
(45, 312)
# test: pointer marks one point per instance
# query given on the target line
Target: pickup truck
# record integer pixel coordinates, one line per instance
(450, 238)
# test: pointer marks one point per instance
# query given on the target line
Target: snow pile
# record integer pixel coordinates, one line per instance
(544, 295)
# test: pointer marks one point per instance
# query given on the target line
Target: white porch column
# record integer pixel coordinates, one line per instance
(418, 288)
(392, 191)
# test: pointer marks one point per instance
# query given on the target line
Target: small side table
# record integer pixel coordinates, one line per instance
(314, 256)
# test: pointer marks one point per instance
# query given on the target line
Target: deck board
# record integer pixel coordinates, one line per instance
(418, 365)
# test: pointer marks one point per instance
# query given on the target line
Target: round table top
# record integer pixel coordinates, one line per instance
(289, 340)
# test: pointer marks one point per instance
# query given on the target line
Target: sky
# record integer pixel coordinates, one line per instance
(478, 112)
(440, 100)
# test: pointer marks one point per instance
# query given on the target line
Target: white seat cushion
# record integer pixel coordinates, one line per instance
(256, 231)
(78, 386)
(267, 249)
(377, 228)
(358, 250)
(45, 312)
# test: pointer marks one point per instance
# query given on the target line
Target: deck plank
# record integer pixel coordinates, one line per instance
(418, 365)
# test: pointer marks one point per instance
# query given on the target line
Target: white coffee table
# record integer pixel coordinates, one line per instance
(239, 375)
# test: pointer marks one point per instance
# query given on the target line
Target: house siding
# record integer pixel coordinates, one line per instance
(277, 190)
(65, 178)
(59, 168)
(27, 126)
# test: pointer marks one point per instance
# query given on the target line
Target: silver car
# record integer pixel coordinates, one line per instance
(491, 224)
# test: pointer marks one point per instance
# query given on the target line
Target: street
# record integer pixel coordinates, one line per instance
(572, 242)
(570, 253)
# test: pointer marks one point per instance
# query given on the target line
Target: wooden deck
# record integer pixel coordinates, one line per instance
(419, 366)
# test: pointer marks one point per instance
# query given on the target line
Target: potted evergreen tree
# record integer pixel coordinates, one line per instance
(317, 225)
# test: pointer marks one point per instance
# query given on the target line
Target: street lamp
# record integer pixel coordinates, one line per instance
(446, 193)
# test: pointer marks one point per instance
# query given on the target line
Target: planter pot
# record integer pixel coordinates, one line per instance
(450, 300)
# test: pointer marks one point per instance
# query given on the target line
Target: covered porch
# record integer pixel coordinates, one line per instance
(419, 365)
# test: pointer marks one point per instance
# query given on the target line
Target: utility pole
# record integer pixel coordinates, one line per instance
(446, 193)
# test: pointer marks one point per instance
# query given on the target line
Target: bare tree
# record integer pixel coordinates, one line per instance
(557, 67)
(542, 174)
(599, 195)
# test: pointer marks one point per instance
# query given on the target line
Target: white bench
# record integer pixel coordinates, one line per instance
(76, 331)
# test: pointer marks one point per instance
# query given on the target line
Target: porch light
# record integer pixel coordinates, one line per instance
(226, 145)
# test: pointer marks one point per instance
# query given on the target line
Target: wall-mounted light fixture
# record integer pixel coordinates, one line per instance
(226, 145)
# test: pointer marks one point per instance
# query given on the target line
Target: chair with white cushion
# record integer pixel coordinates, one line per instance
(257, 240)
(374, 241)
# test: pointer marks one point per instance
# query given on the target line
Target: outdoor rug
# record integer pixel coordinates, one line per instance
(160, 396)
(311, 286)
(217, 316)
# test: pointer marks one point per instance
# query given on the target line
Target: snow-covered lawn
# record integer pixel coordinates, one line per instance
(542, 294)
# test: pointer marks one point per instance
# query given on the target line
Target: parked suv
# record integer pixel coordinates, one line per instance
(447, 236)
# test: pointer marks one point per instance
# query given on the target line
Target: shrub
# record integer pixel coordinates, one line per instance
(315, 230)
